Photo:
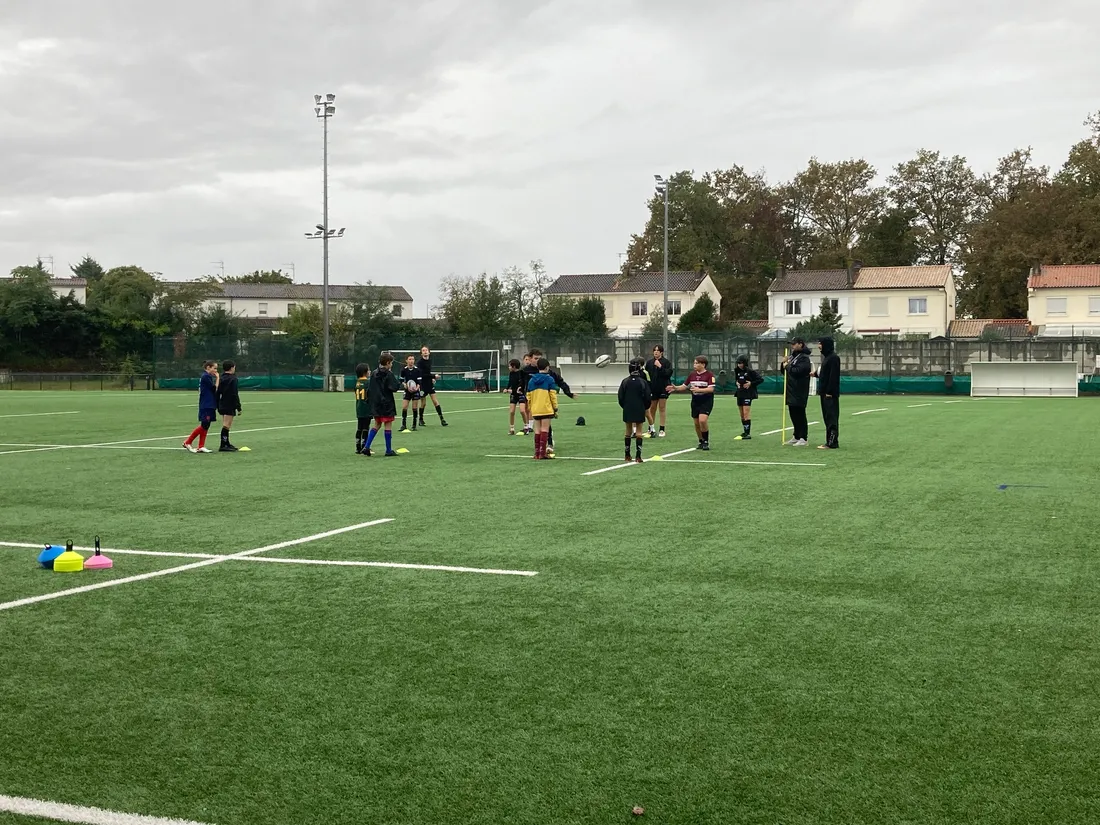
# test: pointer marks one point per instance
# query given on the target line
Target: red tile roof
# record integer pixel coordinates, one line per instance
(974, 327)
(1055, 277)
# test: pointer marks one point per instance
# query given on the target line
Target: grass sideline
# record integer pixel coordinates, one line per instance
(888, 638)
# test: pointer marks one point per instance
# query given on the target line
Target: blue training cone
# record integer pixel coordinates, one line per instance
(46, 557)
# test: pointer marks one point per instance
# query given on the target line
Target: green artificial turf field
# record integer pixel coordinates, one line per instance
(879, 634)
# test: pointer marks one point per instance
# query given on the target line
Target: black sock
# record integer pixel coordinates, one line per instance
(358, 441)
(706, 436)
(662, 428)
(638, 446)
(746, 425)
(550, 435)
(404, 418)
(626, 444)
(225, 435)
(439, 410)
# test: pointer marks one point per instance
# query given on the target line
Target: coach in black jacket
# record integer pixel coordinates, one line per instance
(798, 367)
(828, 387)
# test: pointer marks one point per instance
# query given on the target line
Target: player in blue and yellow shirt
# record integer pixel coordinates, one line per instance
(542, 405)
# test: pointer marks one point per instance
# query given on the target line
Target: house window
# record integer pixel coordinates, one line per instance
(794, 307)
(395, 310)
(263, 309)
(880, 306)
(608, 308)
(639, 308)
(1056, 306)
(1094, 305)
(672, 308)
(219, 305)
(835, 304)
(918, 306)
(290, 308)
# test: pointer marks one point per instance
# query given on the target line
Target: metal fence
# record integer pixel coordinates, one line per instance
(74, 381)
(872, 357)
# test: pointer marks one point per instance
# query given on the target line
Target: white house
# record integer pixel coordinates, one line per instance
(629, 300)
(273, 301)
(871, 300)
(77, 287)
(1064, 300)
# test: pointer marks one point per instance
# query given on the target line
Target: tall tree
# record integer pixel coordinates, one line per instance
(839, 201)
(1016, 176)
(482, 306)
(260, 276)
(942, 194)
(890, 240)
(702, 317)
(828, 317)
(88, 269)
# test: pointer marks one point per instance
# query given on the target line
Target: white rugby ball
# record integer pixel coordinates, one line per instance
(412, 386)
(603, 361)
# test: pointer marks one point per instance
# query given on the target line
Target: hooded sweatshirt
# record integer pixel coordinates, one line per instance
(828, 377)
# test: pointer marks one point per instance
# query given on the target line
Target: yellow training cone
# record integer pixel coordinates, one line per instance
(244, 449)
(402, 450)
(657, 458)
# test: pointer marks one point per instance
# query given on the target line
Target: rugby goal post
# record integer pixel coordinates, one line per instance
(476, 370)
(1024, 378)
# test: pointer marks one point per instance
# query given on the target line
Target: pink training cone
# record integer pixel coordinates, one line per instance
(98, 561)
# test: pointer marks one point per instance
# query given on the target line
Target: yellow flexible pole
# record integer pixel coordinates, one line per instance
(783, 403)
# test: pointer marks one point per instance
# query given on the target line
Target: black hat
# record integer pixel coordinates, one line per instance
(742, 359)
(580, 421)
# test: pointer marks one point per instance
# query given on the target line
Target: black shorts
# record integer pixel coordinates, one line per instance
(701, 405)
(658, 393)
(364, 423)
(744, 402)
(517, 398)
(542, 417)
(427, 388)
(412, 396)
(226, 412)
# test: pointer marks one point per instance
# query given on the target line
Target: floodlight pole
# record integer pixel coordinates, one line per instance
(662, 187)
(324, 110)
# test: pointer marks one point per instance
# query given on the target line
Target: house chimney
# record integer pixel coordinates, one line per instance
(779, 270)
(853, 270)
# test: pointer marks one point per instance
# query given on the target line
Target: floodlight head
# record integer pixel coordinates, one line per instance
(309, 234)
(317, 110)
(330, 110)
(330, 97)
(658, 178)
(316, 98)
(340, 234)
(320, 228)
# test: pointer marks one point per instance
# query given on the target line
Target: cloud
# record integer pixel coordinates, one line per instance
(475, 134)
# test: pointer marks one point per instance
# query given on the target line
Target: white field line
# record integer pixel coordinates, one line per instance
(250, 404)
(111, 551)
(864, 412)
(193, 566)
(399, 565)
(44, 447)
(559, 457)
(633, 464)
(759, 463)
(914, 406)
(35, 415)
(235, 431)
(959, 401)
(788, 427)
(60, 812)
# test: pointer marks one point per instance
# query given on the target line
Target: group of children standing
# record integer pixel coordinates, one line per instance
(533, 386)
(218, 395)
(374, 399)
(645, 391)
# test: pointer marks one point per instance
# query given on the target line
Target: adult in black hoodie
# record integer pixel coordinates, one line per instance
(229, 403)
(798, 368)
(828, 387)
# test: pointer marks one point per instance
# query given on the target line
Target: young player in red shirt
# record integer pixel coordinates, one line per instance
(700, 384)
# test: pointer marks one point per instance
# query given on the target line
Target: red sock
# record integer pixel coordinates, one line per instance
(202, 438)
(194, 434)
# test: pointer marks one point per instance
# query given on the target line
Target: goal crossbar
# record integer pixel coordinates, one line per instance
(459, 365)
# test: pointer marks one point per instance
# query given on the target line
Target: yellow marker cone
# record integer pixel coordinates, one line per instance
(402, 450)
(244, 449)
(657, 458)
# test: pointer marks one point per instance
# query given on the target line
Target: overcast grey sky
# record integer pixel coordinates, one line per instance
(475, 134)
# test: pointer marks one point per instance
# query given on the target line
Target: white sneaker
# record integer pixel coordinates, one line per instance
(791, 442)
(205, 450)
(189, 448)
(661, 434)
(800, 443)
